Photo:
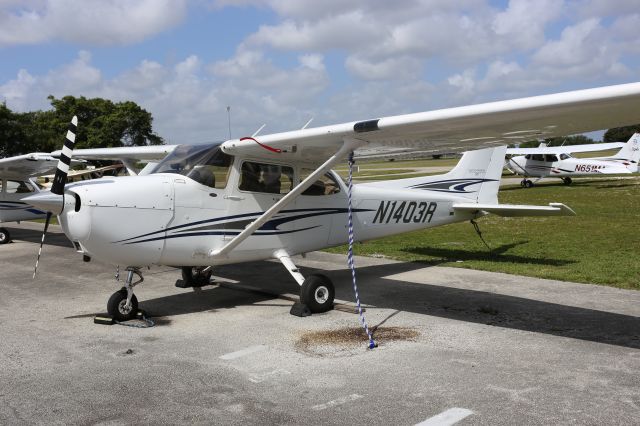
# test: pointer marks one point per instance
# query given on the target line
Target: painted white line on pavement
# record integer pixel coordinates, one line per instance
(336, 402)
(243, 352)
(447, 418)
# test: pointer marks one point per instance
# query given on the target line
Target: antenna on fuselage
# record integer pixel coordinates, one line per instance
(229, 119)
(258, 131)
(307, 123)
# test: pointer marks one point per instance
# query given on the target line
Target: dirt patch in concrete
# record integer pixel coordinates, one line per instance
(349, 340)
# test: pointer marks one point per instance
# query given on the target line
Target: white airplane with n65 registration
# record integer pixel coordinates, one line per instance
(275, 196)
(556, 161)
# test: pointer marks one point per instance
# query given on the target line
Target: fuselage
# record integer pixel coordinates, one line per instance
(178, 219)
(12, 209)
(563, 165)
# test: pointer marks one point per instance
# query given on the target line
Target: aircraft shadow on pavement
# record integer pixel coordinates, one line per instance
(204, 299)
(495, 255)
(428, 299)
(35, 236)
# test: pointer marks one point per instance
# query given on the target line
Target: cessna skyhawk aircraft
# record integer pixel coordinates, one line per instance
(557, 161)
(17, 176)
(275, 196)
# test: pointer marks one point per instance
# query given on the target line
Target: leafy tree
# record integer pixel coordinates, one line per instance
(11, 133)
(620, 134)
(102, 123)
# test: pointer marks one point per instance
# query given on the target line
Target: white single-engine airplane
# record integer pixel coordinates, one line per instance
(248, 199)
(557, 161)
(18, 173)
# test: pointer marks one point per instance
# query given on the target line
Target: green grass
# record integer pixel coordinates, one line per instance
(600, 245)
(382, 164)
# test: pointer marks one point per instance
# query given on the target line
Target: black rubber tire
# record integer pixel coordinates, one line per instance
(117, 301)
(522, 182)
(194, 277)
(318, 293)
(567, 181)
(528, 183)
(5, 237)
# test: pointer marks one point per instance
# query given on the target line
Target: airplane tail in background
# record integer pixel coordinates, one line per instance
(631, 150)
(476, 177)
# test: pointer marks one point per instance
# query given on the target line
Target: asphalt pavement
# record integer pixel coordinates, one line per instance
(455, 345)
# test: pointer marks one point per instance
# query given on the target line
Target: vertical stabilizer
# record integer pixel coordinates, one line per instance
(476, 177)
(631, 150)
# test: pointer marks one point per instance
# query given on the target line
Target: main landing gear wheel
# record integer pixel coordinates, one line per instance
(196, 276)
(526, 183)
(317, 293)
(5, 237)
(566, 181)
(117, 306)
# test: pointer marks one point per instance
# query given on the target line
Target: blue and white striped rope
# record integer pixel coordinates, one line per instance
(363, 321)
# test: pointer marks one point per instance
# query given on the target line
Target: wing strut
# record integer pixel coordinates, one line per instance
(349, 144)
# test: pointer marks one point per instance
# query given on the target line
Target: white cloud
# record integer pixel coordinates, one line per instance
(99, 22)
(188, 100)
(524, 21)
(402, 57)
(405, 67)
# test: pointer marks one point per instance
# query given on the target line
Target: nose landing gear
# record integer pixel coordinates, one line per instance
(526, 183)
(123, 304)
(5, 237)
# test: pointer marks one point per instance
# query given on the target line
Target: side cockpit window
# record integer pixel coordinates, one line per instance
(325, 185)
(268, 178)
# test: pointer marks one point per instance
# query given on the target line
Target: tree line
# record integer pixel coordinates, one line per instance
(103, 124)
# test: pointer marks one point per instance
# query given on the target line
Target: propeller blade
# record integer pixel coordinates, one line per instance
(44, 234)
(60, 178)
(59, 181)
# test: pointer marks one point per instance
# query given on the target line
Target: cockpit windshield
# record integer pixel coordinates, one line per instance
(206, 164)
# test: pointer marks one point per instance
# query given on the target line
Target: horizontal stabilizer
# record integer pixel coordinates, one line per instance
(514, 210)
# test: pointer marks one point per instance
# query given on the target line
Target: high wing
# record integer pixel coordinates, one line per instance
(567, 149)
(461, 128)
(22, 167)
(137, 153)
(128, 155)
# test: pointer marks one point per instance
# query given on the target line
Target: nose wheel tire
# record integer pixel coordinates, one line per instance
(196, 276)
(318, 293)
(566, 181)
(5, 237)
(116, 306)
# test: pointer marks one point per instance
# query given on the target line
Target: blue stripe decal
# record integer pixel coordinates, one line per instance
(218, 224)
(451, 185)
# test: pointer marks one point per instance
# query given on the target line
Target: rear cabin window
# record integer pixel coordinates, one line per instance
(267, 178)
(19, 187)
(550, 158)
(537, 157)
(325, 185)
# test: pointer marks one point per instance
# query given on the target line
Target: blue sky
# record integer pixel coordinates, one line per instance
(281, 62)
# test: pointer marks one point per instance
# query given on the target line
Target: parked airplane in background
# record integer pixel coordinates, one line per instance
(248, 199)
(557, 161)
(18, 173)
